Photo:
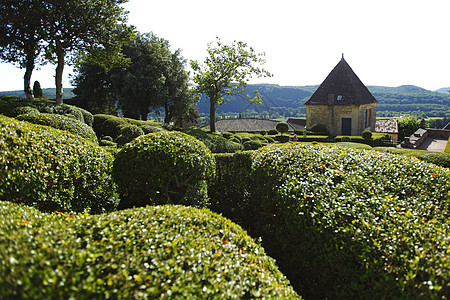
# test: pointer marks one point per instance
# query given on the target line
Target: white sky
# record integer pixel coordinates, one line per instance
(386, 42)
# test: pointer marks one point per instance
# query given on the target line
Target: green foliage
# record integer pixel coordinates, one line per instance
(231, 187)
(319, 129)
(254, 144)
(347, 223)
(437, 158)
(225, 72)
(263, 132)
(37, 91)
(53, 170)
(62, 123)
(163, 168)
(282, 127)
(107, 125)
(272, 132)
(128, 133)
(154, 252)
(281, 138)
(407, 126)
(366, 134)
(21, 110)
(216, 143)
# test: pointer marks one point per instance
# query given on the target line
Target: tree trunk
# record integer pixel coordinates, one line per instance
(212, 115)
(59, 73)
(27, 80)
(166, 111)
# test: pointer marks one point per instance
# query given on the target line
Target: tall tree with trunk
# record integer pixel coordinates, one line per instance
(21, 36)
(76, 27)
(179, 96)
(225, 72)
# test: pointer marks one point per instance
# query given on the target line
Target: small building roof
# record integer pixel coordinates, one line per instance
(297, 123)
(341, 87)
(250, 125)
(386, 125)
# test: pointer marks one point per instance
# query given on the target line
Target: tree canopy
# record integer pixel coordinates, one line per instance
(226, 71)
(21, 36)
(154, 79)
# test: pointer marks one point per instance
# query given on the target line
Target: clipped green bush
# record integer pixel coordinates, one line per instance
(272, 132)
(21, 110)
(254, 144)
(163, 168)
(319, 128)
(227, 135)
(164, 252)
(437, 158)
(64, 110)
(366, 134)
(282, 127)
(61, 122)
(216, 143)
(128, 133)
(349, 223)
(263, 132)
(53, 170)
(231, 187)
(281, 138)
(150, 129)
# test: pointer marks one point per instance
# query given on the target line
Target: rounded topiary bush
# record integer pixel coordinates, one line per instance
(272, 132)
(163, 252)
(61, 122)
(366, 134)
(319, 128)
(128, 133)
(163, 167)
(254, 144)
(282, 127)
(150, 129)
(21, 110)
(53, 170)
(64, 110)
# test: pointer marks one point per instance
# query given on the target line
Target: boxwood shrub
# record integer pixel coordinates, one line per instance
(128, 133)
(53, 170)
(437, 158)
(163, 252)
(350, 223)
(163, 168)
(24, 110)
(231, 187)
(61, 122)
(216, 143)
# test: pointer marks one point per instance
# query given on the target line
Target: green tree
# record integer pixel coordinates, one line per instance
(282, 127)
(407, 126)
(179, 98)
(21, 35)
(93, 89)
(76, 27)
(37, 90)
(225, 72)
(141, 85)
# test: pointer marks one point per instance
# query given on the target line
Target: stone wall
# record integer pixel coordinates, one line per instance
(332, 115)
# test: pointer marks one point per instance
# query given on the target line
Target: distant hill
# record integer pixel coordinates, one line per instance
(50, 93)
(443, 90)
(402, 99)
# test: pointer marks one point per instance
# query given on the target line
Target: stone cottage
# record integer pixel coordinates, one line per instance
(342, 103)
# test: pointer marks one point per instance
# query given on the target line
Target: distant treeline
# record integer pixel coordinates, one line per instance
(288, 101)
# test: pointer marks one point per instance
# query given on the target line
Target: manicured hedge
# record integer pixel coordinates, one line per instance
(61, 122)
(164, 252)
(216, 143)
(348, 223)
(12, 106)
(231, 187)
(163, 168)
(53, 170)
(437, 158)
(107, 125)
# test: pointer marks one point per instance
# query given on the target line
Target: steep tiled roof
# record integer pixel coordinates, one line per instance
(248, 125)
(341, 87)
(297, 123)
(386, 125)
